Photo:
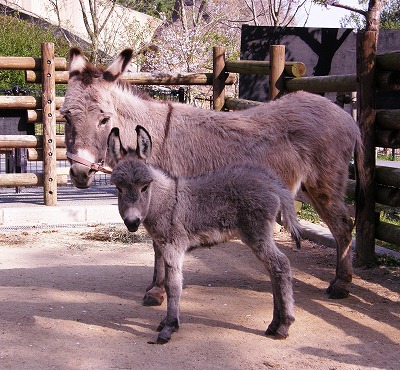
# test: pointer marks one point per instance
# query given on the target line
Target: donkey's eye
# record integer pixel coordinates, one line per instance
(144, 188)
(119, 189)
(104, 121)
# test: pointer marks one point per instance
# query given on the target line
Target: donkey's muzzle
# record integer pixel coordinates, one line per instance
(132, 225)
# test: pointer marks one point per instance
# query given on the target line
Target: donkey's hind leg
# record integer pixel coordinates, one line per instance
(334, 212)
(278, 267)
(155, 291)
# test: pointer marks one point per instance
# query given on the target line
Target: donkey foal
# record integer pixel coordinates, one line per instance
(181, 213)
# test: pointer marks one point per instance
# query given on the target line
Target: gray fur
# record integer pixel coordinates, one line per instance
(307, 140)
(179, 213)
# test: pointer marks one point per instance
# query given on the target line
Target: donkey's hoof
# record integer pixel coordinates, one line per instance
(336, 290)
(338, 293)
(152, 299)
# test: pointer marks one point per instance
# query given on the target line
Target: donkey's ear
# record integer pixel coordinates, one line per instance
(144, 144)
(118, 66)
(115, 149)
(77, 60)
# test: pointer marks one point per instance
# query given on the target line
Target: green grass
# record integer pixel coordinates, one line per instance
(387, 214)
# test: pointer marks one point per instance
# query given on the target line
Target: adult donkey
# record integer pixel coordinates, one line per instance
(305, 138)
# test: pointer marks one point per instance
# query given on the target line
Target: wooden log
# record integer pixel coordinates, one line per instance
(389, 61)
(387, 138)
(61, 77)
(21, 63)
(365, 200)
(388, 176)
(258, 67)
(276, 77)
(35, 115)
(28, 179)
(27, 141)
(385, 195)
(219, 77)
(34, 154)
(240, 104)
(25, 102)
(49, 125)
(388, 233)
(320, 84)
(143, 78)
(388, 80)
(389, 119)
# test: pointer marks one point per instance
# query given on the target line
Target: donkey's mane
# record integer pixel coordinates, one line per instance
(92, 72)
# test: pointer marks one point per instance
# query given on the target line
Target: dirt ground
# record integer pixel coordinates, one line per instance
(71, 299)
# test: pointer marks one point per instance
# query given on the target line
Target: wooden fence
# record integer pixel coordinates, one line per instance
(283, 77)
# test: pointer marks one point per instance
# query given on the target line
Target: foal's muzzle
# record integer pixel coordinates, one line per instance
(132, 225)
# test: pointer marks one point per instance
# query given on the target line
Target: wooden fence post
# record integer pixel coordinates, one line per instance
(219, 76)
(49, 125)
(276, 75)
(366, 96)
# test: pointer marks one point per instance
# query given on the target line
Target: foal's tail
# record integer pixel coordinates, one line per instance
(289, 217)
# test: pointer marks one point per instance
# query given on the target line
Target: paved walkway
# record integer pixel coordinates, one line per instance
(74, 206)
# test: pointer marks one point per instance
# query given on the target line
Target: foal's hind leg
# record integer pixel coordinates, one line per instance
(333, 211)
(278, 267)
(155, 291)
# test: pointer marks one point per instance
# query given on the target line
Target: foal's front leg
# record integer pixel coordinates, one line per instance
(173, 286)
(155, 291)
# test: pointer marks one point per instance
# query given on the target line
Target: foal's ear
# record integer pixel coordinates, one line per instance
(144, 144)
(77, 60)
(115, 149)
(118, 66)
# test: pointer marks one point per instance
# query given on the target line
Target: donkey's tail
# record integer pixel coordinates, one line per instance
(289, 217)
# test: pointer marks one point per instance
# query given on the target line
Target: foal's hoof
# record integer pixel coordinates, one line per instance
(152, 299)
(161, 340)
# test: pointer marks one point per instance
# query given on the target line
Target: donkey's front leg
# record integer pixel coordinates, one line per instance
(173, 287)
(155, 291)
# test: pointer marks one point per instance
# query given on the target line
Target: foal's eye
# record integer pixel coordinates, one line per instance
(119, 189)
(144, 188)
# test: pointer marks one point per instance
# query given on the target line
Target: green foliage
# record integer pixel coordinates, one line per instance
(155, 8)
(390, 16)
(20, 38)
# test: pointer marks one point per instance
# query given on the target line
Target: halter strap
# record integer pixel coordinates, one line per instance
(91, 165)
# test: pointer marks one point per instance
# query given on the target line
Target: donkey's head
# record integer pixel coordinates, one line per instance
(89, 111)
(132, 176)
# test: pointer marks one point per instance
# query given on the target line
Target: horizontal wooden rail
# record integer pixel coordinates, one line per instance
(240, 104)
(388, 233)
(388, 119)
(61, 77)
(28, 179)
(143, 78)
(21, 63)
(389, 61)
(388, 80)
(25, 102)
(36, 154)
(387, 138)
(388, 176)
(292, 69)
(385, 195)
(27, 141)
(319, 84)
(35, 115)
